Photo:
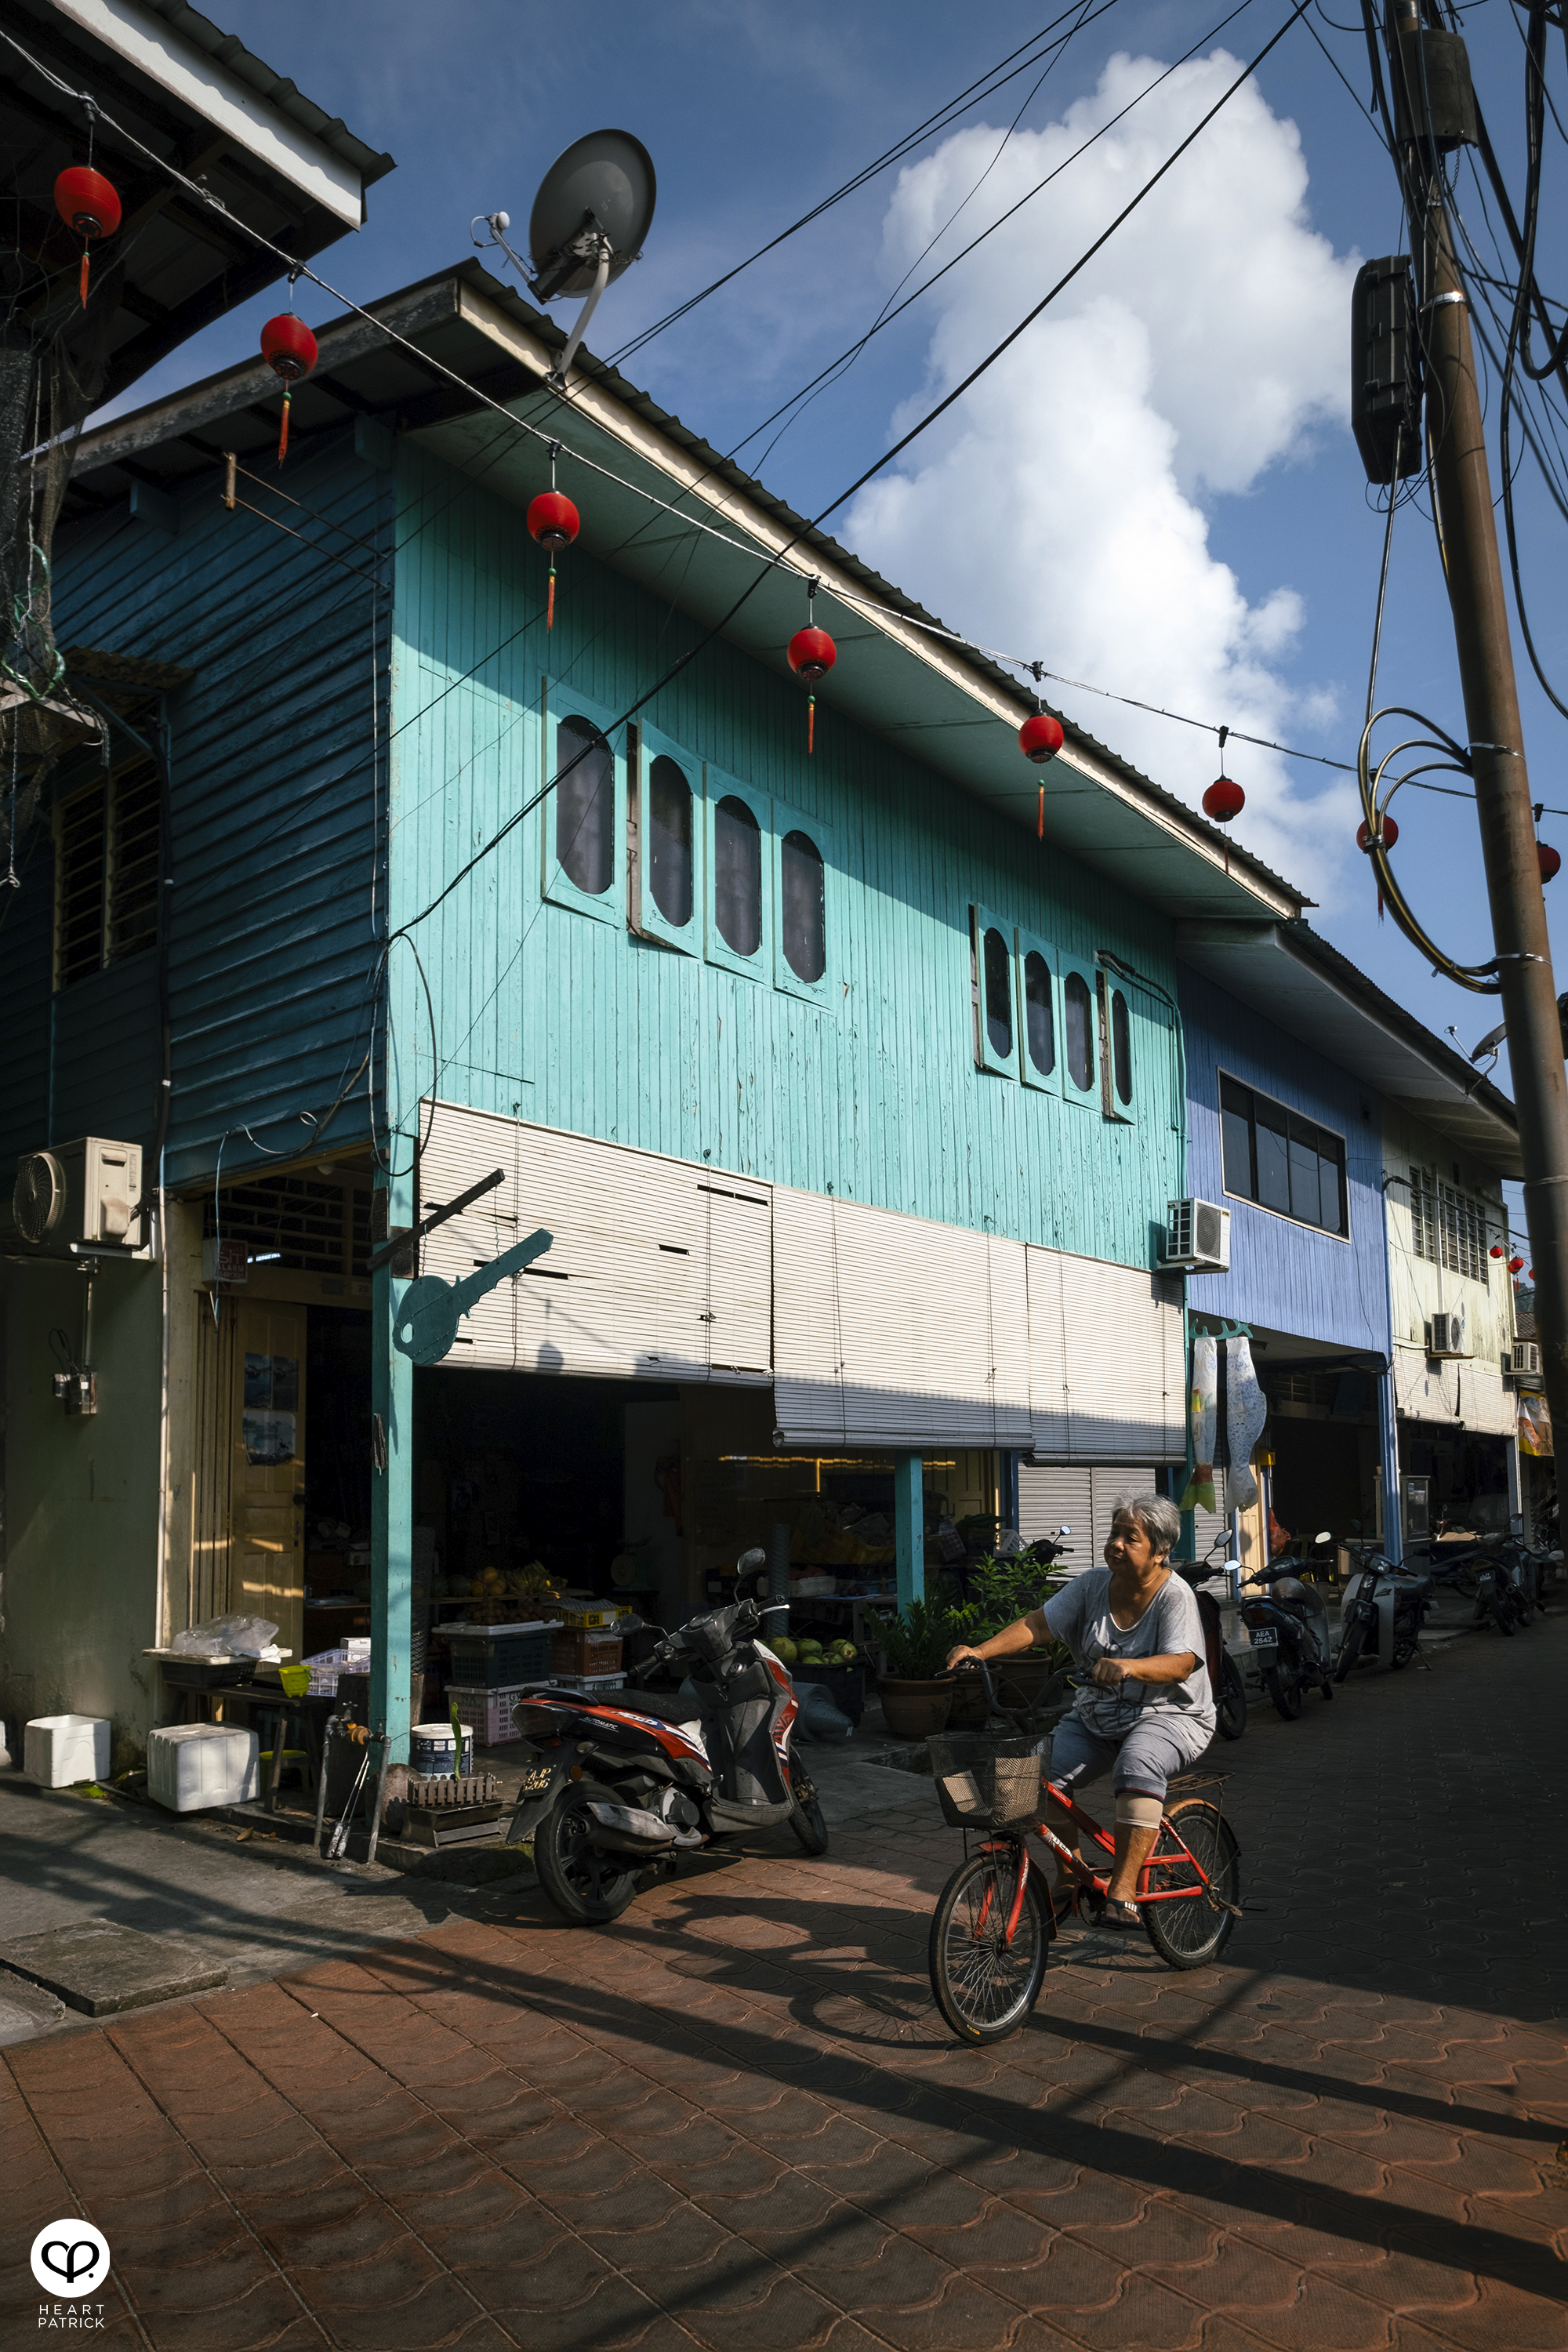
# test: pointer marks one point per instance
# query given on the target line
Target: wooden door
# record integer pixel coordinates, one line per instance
(266, 1484)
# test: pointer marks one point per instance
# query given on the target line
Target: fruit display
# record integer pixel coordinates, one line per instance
(808, 1651)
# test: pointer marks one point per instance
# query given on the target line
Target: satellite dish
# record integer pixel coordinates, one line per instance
(601, 191)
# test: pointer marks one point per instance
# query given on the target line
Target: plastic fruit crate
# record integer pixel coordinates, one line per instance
(582, 1652)
(498, 1657)
(486, 1713)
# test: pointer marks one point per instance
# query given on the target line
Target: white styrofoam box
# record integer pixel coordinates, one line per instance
(190, 1764)
(59, 1748)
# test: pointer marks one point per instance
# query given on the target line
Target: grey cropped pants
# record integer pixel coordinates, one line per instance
(1141, 1762)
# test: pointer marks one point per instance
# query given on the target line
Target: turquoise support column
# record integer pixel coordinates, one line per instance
(392, 1491)
(909, 1523)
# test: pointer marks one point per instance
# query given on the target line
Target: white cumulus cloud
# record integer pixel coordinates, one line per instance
(1055, 511)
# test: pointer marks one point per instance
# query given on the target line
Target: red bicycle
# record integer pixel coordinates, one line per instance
(991, 1936)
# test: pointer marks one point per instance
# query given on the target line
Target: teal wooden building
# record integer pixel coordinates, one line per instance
(849, 1085)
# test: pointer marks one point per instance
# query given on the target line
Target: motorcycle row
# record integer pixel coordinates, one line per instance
(1383, 1611)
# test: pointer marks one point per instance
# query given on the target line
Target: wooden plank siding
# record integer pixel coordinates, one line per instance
(1285, 1276)
(271, 947)
(548, 1014)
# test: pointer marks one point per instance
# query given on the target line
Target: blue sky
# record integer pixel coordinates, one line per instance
(754, 113)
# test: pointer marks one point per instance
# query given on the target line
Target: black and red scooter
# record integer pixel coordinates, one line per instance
(614, 1791)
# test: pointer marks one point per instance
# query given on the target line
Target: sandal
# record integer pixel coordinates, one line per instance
(1121, 1916)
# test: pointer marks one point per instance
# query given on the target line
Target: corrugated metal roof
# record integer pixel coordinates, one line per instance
(228, 49)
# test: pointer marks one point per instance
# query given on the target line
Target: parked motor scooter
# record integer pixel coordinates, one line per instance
(1289, 1631)
(1381, 1615)
(1225, 1675)
(613, 1789)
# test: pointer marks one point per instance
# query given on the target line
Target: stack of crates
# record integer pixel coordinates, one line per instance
(491, 1666)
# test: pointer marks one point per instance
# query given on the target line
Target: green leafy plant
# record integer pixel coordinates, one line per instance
(916, 1641)
(1000, 1593)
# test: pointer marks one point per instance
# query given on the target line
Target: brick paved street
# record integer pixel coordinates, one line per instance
(732, 2120)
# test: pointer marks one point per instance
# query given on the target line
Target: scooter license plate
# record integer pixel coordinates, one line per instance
(1266, 1638)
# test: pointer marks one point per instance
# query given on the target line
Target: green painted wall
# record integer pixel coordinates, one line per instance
(543, 1012)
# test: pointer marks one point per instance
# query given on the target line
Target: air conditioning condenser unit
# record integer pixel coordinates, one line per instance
(1448, 1336)
(80, 1198)
(1197, 1238)
(1524, 1360)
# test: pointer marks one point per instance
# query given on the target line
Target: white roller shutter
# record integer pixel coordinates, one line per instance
(892, 1330)
(641, 1280)
(1083, 1500)
(1108, 1378)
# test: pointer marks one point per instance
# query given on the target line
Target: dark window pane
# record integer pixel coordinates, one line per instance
(804, 914)
(1078, 1017)
(1235, 1138)
(80, 885)
(1330, 1188)
(1305, 1201)
(1040, 1028)
(998, 995)
(1121, 1049)
(584, 806)
(133, 875)
(737, 877)
(670, 841)
(1273, 1158)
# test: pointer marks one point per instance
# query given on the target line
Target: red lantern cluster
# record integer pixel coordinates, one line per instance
(87, 203)
(1388, 832)
(812, 654)
(1549, 859)
(1224, 799)
(552, 523)
(290, 350)
(1514, 1263)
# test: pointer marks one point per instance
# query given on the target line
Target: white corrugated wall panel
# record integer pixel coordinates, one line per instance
(893, 1330)
(1083, 1499)
(626, 1289)
(740, 1281)
(1106, 1363)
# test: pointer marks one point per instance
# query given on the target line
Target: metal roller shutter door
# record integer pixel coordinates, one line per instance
(1083, 1500)
(893, 1330)
(657, 1270)
(1107, 1364)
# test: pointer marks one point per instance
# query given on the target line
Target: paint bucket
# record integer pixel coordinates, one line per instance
(432, 1750)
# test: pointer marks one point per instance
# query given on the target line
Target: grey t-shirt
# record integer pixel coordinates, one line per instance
(1080, 1616)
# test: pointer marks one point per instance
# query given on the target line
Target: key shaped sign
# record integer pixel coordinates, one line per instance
(430, 1310)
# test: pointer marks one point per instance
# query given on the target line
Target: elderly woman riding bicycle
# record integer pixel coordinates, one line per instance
(1146, 1711)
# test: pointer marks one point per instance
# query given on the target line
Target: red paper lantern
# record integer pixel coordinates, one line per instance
(87, 203)
(554, 521)
(1531, 1275)
(1041, 738)
(1224, 799)
(290, 350)
(1514, 1263)
(1549, 859)
(1388, 829)
(812, 654)
(1497, 1250)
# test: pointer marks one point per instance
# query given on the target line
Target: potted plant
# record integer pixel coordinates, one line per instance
(915, 1702)
(1001, 1591)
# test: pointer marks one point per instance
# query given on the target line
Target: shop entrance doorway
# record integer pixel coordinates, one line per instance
(267, 1473)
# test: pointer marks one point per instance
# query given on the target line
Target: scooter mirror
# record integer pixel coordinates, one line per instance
(1064, 1531)
(751, 1562)
(1324, 1535)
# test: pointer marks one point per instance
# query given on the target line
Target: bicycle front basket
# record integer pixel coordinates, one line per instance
(984, 1783)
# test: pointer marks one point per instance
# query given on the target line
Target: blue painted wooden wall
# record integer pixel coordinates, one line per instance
(272, 944)
(543, 1012)
(1283, 1275)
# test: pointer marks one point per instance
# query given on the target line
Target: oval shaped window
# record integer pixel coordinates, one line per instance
(1077, 1015)
(998, 996)
(670, 841)
(801, 888)
(737, 877)
(1039, 1022)
(1121, 1049)
(584, 806)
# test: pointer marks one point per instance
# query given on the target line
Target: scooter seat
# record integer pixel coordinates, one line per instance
(663, 1706)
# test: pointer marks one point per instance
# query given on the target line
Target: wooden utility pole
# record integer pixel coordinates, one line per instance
(1467, 529)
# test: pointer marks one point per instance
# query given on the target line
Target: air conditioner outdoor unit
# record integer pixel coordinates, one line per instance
(1448, 1336)
(1197, 1238)
(80, 1199)
(1525, 1363)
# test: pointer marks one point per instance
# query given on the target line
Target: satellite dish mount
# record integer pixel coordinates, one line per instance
(593, 212)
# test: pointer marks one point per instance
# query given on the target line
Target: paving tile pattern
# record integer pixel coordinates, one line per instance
(732, 2120)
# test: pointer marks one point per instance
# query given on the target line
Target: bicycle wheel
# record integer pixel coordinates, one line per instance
(1285, 1689)
(983, 1986)
(806, 1819)
(1190, 1932)
(1232, 1695)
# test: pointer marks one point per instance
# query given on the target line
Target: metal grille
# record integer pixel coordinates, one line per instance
(1448, 1227)
(107, 905)
(133, 862)
(78, 905)
(301, 1223)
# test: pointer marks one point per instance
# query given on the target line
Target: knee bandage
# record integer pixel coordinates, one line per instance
(1137, 1811)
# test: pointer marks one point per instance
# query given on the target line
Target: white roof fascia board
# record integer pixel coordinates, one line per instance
(144, 41)
(591, 401)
